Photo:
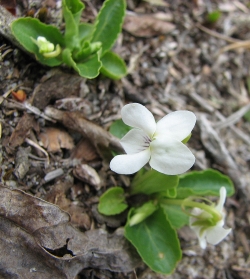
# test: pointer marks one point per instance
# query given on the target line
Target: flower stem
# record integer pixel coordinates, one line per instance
(190, 203)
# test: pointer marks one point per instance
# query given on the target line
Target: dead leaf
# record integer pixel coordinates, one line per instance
(57, 195)
(87, 174)
(114, 221)
(103, 141)
(22, 163)
(38, 241)
(56, 85)
(54, 139)
(21, 131)
(20, 95)
(146, 26)
(9, 5)
(84, 151)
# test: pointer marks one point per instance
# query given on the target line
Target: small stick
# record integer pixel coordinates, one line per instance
(216, 34)
(34, 144)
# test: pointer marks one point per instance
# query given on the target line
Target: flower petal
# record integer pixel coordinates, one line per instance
(223, 195)
(170, 156)
(128, 164)
(177, 125)
(135, 141)
(216, 234)
(138, 116)
(202, 240)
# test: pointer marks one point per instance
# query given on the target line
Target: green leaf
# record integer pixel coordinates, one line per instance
(26, 28)
(213, 16)
(171, 193)
(247, 116)
(85, 31)
(112, 201)
(75, 7)
(71, 14)
(153, 182)
(156, 242)
(187, 138)
(88, 69)
(119, 129)
(141, 213)
(203, 183)
(108, 23)
(113, 66)
(175, 215)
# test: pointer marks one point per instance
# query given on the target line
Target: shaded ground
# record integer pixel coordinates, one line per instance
(187, 68)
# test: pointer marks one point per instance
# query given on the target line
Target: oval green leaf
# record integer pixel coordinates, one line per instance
(113, 66)
(203, 183)
(112, 202)
(153, 182)
(26, 28)
(156, 242)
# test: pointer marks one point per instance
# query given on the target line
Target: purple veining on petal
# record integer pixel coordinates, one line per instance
(147, 141)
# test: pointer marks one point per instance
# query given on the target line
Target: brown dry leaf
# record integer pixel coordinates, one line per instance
(103, 141)
(21, 131)
(87, 174)
(146, 26)
(84, 151)
(57, 195)
(54, 139)
(56, 85)
(9, 5)
(38, 241)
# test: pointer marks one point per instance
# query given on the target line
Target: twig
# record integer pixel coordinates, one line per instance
(239, 268)
(27, 106)
(103, 141)
(233, 118)
(6, 18)
(213, 143)
(53, 174)
(203, 103)
(6, 94)
(243, 44)
(216, 34)
(37, 146)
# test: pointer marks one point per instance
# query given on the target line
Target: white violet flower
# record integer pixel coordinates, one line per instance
(159, 143)
(46, 48)
(44, 45)
(208, 232)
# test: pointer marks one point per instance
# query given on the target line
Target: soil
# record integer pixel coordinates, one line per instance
(190, 64)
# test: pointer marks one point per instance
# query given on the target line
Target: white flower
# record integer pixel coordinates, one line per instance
(212, 234)
(46, 48)
(44, 45)
(159, 143)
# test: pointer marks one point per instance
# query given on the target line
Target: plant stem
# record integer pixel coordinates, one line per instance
(190, 203)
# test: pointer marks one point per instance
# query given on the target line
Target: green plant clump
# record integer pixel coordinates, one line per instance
(84, 47)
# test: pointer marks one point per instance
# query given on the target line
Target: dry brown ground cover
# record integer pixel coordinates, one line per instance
(176, 60)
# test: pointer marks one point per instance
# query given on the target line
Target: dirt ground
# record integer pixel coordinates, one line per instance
(176, 60)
